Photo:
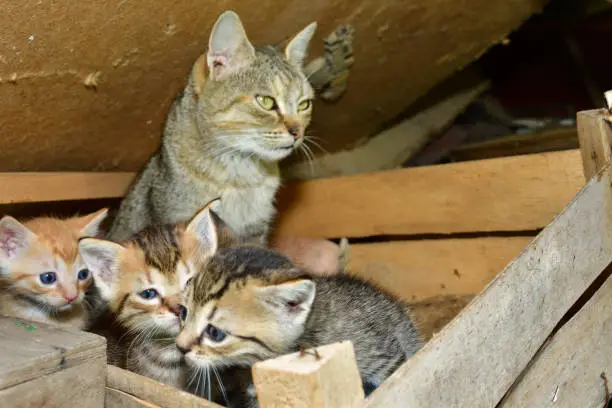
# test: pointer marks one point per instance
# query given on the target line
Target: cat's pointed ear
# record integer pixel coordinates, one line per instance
(102, 259)
(297, 49)
(92, 223)
(203, 227)
(292, 298)
(14, 237)
(229, 49)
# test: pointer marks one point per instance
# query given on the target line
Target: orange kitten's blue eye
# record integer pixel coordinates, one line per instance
(215, 334)
(48, 278)
(83, 274)
(148, 294)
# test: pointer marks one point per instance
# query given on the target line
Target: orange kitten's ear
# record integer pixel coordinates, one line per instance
(229, 49)
(93, 222)
(297, 49)
(102, 258)
(14, 237)
(203, 227)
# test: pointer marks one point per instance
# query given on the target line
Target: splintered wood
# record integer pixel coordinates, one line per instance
(329, 378)
(474, 361)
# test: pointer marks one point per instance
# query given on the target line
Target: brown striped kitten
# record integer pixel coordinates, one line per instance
(244, 109)
(141, 279)
(248, 304)
(42, 276)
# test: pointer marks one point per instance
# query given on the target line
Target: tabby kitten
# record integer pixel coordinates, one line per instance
(42, 276)
(248, 304)
(243, 110)
(141, 280)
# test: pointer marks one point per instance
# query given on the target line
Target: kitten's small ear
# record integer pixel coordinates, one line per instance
(198, 75)
(92, 223)
(229, 49)
(297, 49)
(294, 297)
(102, 258)
(14, 237)
(203, 227)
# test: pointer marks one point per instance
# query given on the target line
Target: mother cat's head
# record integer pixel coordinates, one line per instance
(254, 100)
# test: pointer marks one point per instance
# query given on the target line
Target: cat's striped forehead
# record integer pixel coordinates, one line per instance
(160, 247)
(236, 267)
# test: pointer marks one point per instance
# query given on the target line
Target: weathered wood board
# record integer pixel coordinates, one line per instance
(595, 136)
(419, 269)
(119, 382)
(507, 194)
(567, 373)
(477, 357)
(41, 365)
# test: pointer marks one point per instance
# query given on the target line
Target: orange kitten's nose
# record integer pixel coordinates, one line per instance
(184, 342)
(68, 294)
(70, 298)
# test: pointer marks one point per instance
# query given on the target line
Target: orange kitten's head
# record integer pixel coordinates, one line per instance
(39, 260)
(142, 279)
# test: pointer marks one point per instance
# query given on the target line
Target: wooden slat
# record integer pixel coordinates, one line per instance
(417, 270)
(153, 392)
(571, 364)
(536, 142)
(42, 187)
(595, 135)
(29, 350)
(476, 358)
(77, 386)
(507, 194)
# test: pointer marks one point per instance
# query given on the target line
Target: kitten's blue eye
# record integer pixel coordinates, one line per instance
(148, 294)
(215, 334)
(182, 313)
(48, 278)
(83, 274)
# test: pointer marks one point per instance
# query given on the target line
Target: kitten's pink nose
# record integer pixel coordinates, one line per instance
(70, 298)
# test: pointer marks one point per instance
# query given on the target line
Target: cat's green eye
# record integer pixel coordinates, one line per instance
(304, 105)
(266, 102)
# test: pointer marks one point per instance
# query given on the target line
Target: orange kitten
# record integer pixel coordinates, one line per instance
(42, 276)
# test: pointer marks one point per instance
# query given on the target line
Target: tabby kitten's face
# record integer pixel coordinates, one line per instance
(39, 260)
(246, 304)
(142, 279)
(256, 101)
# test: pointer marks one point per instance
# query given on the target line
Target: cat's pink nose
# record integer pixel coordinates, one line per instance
(70, 298)
(295, 131)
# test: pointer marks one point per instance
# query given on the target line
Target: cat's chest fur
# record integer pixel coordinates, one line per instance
(247, 196)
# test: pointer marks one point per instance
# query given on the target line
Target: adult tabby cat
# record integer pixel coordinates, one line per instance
(243, 109)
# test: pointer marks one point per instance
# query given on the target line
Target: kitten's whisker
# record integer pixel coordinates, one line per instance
(208, 382)
(221, 386)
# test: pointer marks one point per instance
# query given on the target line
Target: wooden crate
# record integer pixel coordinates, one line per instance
(44, 366)
(443, 232)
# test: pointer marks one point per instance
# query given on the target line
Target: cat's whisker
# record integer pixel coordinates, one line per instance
(221, 386)
(208, 382)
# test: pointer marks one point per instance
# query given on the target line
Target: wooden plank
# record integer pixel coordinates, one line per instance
(567, 373)
(43, 187)
(476, 358)
(81, 386)
(329, 378)
(30, 350)
(507, 194)
(151, 391)
(420, 269)
(119, 399)
(536, 142)
(595, 135)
